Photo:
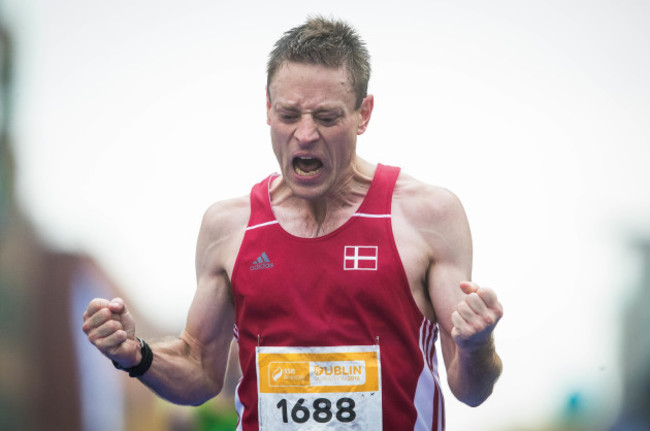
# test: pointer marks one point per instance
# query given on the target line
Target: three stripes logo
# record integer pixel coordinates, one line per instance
(262, 262)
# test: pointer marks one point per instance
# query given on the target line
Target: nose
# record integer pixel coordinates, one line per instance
(306, 130)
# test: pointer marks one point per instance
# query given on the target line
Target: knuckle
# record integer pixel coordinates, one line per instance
(95, 304)
(105, 344)
(476, 327)
(93, 338)
(114, 326)
(100, 343)
(489, 320)
(468, 333)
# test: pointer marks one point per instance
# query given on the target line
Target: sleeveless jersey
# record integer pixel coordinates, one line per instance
(301, 302)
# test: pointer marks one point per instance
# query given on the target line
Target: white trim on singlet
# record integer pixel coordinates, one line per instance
(366, 215)
(239, 408)
(428, 400)
(363, 215)
(262, 224)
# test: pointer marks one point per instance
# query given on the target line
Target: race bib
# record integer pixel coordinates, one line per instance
(318, 388)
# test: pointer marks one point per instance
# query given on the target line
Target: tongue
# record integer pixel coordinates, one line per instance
(308, 165)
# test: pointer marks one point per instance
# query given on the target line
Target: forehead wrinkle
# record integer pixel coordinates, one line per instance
(305, 79)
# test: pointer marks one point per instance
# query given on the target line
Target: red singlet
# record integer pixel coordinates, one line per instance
(310, 313)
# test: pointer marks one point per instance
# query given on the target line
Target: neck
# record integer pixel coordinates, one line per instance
(317, 217)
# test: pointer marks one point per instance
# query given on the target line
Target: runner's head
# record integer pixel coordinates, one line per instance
(324, 42)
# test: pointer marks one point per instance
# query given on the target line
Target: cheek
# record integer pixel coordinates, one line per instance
(276, 146)
(345, 146)
(278, 143)
(280, 131)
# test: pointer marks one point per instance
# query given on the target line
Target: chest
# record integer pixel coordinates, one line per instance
(357, 259)
(329, 284)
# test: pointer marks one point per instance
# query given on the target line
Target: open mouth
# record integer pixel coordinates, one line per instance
(307, 166)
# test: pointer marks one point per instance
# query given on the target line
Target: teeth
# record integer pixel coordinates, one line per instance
(309, 174)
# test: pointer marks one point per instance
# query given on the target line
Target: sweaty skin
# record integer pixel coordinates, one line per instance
(314, 127)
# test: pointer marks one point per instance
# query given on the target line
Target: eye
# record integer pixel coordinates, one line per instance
(327, 120)
(288, 118)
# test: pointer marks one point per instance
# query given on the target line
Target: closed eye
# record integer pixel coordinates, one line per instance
(327, 120)
(289, 118)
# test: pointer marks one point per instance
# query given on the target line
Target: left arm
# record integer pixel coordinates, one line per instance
(466, 313)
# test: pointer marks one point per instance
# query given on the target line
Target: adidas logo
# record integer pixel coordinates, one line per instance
(262, 262)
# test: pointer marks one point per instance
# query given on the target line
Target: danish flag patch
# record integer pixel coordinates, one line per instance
(360, 257)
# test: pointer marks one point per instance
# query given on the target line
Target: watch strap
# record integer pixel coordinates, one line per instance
(145, 362)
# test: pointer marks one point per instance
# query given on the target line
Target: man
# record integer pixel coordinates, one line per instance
(337, 275)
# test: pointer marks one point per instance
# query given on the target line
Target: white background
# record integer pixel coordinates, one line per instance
(133, 116)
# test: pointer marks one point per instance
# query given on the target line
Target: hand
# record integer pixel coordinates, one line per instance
(111, 328)
(475, 317)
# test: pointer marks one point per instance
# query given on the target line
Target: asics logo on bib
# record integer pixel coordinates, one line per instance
(262, 262)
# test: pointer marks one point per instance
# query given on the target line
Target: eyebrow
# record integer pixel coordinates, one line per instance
(319, 110)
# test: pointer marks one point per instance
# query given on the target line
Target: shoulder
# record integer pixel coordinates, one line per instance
(423, 204)
(229, 211)
(226, 216)
(223, 224)
(432, 217)
(221, 233)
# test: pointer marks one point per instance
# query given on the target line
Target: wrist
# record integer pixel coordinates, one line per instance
(474, 348)
(141, 367)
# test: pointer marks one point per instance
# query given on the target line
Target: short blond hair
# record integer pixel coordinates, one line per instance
(325, 42)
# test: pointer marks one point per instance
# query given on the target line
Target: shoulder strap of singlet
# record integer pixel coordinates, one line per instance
(261, 213)
(380, 193)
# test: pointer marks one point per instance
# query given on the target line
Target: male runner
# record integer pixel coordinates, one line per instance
(335, 276)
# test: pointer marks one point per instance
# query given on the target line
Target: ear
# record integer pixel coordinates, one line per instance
(268, 106)
(365, 112)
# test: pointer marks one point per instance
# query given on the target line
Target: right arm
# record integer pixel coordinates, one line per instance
(189, 369)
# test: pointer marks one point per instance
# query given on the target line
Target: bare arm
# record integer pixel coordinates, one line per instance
(189, 369)
(466, 313)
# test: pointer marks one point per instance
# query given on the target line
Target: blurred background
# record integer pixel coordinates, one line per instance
(121, 121)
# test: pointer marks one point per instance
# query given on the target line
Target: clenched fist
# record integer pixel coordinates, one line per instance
(111, 328)
(475, 317)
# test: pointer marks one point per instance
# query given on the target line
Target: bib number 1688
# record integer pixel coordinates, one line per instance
(321, 411)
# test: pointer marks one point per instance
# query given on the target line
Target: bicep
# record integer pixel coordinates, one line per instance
(451, 263)
(211, 316)
(210, 320)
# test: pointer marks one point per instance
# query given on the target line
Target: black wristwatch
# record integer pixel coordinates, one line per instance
(143, 366)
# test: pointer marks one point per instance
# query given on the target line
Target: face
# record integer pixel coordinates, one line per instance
(314, 127)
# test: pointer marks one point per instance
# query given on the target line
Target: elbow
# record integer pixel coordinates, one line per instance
(197, 402)
(475, 387)
(474, 400)
(210, 392)
(192, 398)
(475, 391)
